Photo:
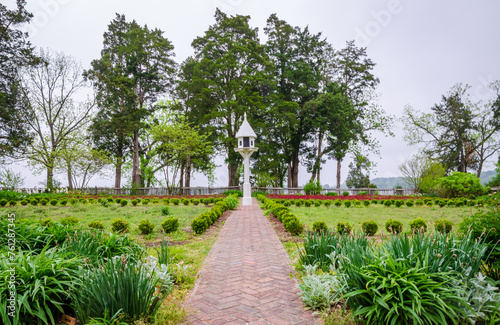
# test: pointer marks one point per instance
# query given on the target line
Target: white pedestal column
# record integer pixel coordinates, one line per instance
(247, 188)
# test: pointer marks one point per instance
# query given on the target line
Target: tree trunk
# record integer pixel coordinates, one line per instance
(231, 173)
(295, 170)
(187, 176)
(70, 178)
(181, 177)
(317, 164)
(136, 173)
(479, 169)
(50, 177)
(339, 164)
(289, 175)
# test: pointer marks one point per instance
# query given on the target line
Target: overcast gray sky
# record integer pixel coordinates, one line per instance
(421, 48)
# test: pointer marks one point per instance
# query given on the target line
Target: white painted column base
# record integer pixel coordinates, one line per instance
(246, 201)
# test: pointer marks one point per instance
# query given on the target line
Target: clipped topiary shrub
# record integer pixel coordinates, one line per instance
(185, 201)
(69, 221)
(46, 222)
(345, 193)
(419, 202)
(299, 203)
(165, 211)
(24, 202)
(34, 202)
(170, 224)
(134, 202)
(369, 227)
(165, 201)
(119, 225)
(366, 203)
(344, 228)
(374, 201)
(53, 202)
(44, 202)
(146, 227)
(195, 201)
(294, 226)
(308, 203)
(123, 202)
(443, 226)
(96, 225)
(155, 200)
(387, 203)
(347, 203)
(399, 203)
(394, 226)
(175, 201)
(409, 203)
(63, 202)
(338, 203)
(199, 225)
(12, 203)
(327, 203)
(418, 225)
(145, 202)
(317, 203)
(356, 202)
(319, 226)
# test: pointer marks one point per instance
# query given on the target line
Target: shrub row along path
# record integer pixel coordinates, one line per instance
(246, 277)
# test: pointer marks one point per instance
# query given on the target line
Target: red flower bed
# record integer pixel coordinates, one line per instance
(338, 197)
(132, 197)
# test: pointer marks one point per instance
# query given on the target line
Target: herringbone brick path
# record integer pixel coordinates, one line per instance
(246, 277)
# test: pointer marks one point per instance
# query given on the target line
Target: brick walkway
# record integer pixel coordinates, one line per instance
(246, 277)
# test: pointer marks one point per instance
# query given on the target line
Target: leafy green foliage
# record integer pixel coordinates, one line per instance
(394, 226)
(344, 228)
(123, 202)
(42, 281)
(170, 224)
(119, 225)
(130, 290)
(313, 188)
(319, 226)
(443, 226)
(96, 225)
(69, 221)
(318, 291)
(461, 185)
(369, 227)
(47, 222)
(165, 211)
(231, 192)
(146, 227)
(232, 202)
(418, 225)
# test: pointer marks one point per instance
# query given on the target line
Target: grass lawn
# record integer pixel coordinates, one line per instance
(380, 214)
(86, 213)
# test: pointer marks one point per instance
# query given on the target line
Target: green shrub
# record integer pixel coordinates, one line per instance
(338, 203)
(419, 202)
(145, 202)
(299, 203)
(175, 201)
(96, 224)
(53, 202)
(165, 211)
(73, 201)
(387, 203)
(356, 202)
(24, 202)
(69, 221)
(319, 226)
(461, 185)
(146, 227)
(369, 227)
(366, 203)
(327, 203)
(287, 203)
(345, 193)
(63, 202)
(409, 203)
(83, 201)
(317, 203)
(185, 201)
(347, 203)
(156, 200)
(332, 194)
(374, 201)
(399, 203)
(195, 201)
(34, 202)
(232, 202)
(123, 202)
(165, 201)
(170, 224)
(344, 228)
(12, 203)
(308, 203)
(313, 188)
(418, 225)
(394, 226)
(443, 226)
(119, 225)
(134, 202)
(46, 222)
(471, 203)
(294, 226)
(118, 200)
(199, 225)
(232, 192)
(44, 202)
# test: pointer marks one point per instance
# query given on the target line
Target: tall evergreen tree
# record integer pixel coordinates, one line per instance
(135, 67)
(225, 79)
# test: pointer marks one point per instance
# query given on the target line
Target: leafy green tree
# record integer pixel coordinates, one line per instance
(9, 180)
(298, 57)
(226, 78)
(15, 52)
(359, 172)
(460, 184)
(135, 67)
(421, 173)
(351, 68)
(458, 132)
(50, 110)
